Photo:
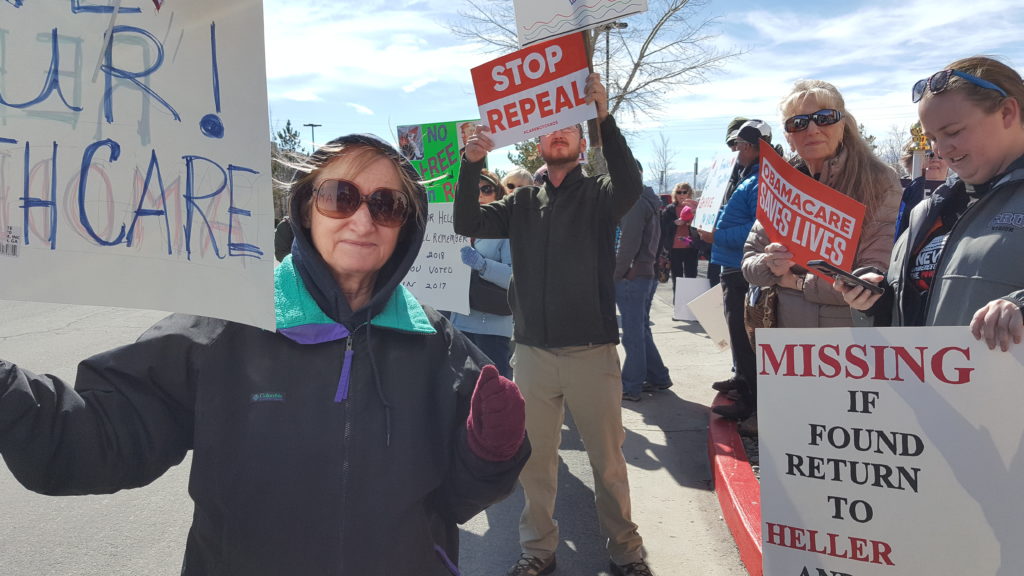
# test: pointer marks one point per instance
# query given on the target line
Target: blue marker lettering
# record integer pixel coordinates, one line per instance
(111, 72)
(83, 180)
(50, 84)
(78, 8)
(242, 249)
(29, 202)
(191, 207)
(154, 168)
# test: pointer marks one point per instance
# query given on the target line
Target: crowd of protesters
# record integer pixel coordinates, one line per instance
(430, 432)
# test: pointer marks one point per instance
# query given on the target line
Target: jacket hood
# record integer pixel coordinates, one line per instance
(314, 271)
(651, 198)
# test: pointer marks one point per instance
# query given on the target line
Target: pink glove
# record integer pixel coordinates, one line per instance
(497, 417)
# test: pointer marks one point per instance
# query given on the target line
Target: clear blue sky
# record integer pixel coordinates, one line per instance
(371, 66)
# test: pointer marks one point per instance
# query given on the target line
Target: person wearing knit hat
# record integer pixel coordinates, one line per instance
(730, 131)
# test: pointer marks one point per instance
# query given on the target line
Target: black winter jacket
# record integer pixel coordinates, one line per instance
(563, 245)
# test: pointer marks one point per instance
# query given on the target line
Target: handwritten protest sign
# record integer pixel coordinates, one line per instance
(806, 216)
(889, 452)
(713, 195)
(438, 277)
(540, 20)
(534, 91)
(134, 156)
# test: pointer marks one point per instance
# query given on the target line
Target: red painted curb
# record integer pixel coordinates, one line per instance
(739, 492)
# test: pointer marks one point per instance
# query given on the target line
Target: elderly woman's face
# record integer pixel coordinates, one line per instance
(816, 143)
(356, 247)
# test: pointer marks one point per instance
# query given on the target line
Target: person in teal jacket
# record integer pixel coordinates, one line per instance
(350, 440)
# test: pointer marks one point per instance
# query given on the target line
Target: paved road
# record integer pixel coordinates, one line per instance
(143, 531)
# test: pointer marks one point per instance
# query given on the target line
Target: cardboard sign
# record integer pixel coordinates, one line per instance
(435, 150)
(540, 20)
(438, 277)
(713, 195)
(534, 91)
(709, 309)
(810, 219)
(134, 157)
(888, 452)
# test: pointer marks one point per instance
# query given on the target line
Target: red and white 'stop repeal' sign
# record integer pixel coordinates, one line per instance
(534, 91)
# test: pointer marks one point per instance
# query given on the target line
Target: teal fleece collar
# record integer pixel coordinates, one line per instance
(294, 306)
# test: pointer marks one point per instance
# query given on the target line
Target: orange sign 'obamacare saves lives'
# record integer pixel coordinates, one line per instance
(533, 91)
(810, 219)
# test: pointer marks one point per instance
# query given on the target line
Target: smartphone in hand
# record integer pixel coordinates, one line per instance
(828, 269)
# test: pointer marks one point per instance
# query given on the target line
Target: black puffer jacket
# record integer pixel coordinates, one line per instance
(297, 467)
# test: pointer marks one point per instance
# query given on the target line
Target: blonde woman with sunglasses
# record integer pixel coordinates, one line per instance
(958, 263)
(350, 440)
(829, 148)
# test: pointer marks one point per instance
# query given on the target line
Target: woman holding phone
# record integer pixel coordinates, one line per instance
(830, 149)
(955, 264)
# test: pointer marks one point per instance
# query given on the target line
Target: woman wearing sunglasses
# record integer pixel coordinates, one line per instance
(829, 148)
(350, 440)
(958, 263)
(491, 259)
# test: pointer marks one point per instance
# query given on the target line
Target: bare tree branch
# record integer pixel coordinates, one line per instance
(664, 48)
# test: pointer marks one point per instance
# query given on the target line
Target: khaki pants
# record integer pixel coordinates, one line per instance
(589, 379)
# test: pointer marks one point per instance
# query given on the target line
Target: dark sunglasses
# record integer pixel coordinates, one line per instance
(682, 192)
(488, 190)
(824, 117)
(940, 80)
(341, 199)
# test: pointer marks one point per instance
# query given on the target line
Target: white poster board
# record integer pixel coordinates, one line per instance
(534, 91)
(709, 309)
(136, 172)
(713, 194)
(438, 277)
(687, 289)
(889, 452)
(539, 20)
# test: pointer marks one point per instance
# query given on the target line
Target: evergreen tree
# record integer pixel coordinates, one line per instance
(287, 138)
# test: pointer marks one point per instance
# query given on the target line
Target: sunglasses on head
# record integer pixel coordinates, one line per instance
(823, 117)
(938, 82)
(488, 189)
(338, 198)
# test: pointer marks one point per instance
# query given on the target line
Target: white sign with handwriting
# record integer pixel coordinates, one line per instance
(134, 156)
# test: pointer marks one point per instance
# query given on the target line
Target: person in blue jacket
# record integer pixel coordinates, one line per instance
(350, 440)
(733, 226)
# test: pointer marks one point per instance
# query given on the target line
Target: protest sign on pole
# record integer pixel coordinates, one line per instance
(540, 20)
(534, 91)
(889, 451)
(810, 219)
(713, 194)
(134, 157)
(438, 277)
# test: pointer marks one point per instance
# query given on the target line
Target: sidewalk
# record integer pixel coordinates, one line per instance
(672, 482)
